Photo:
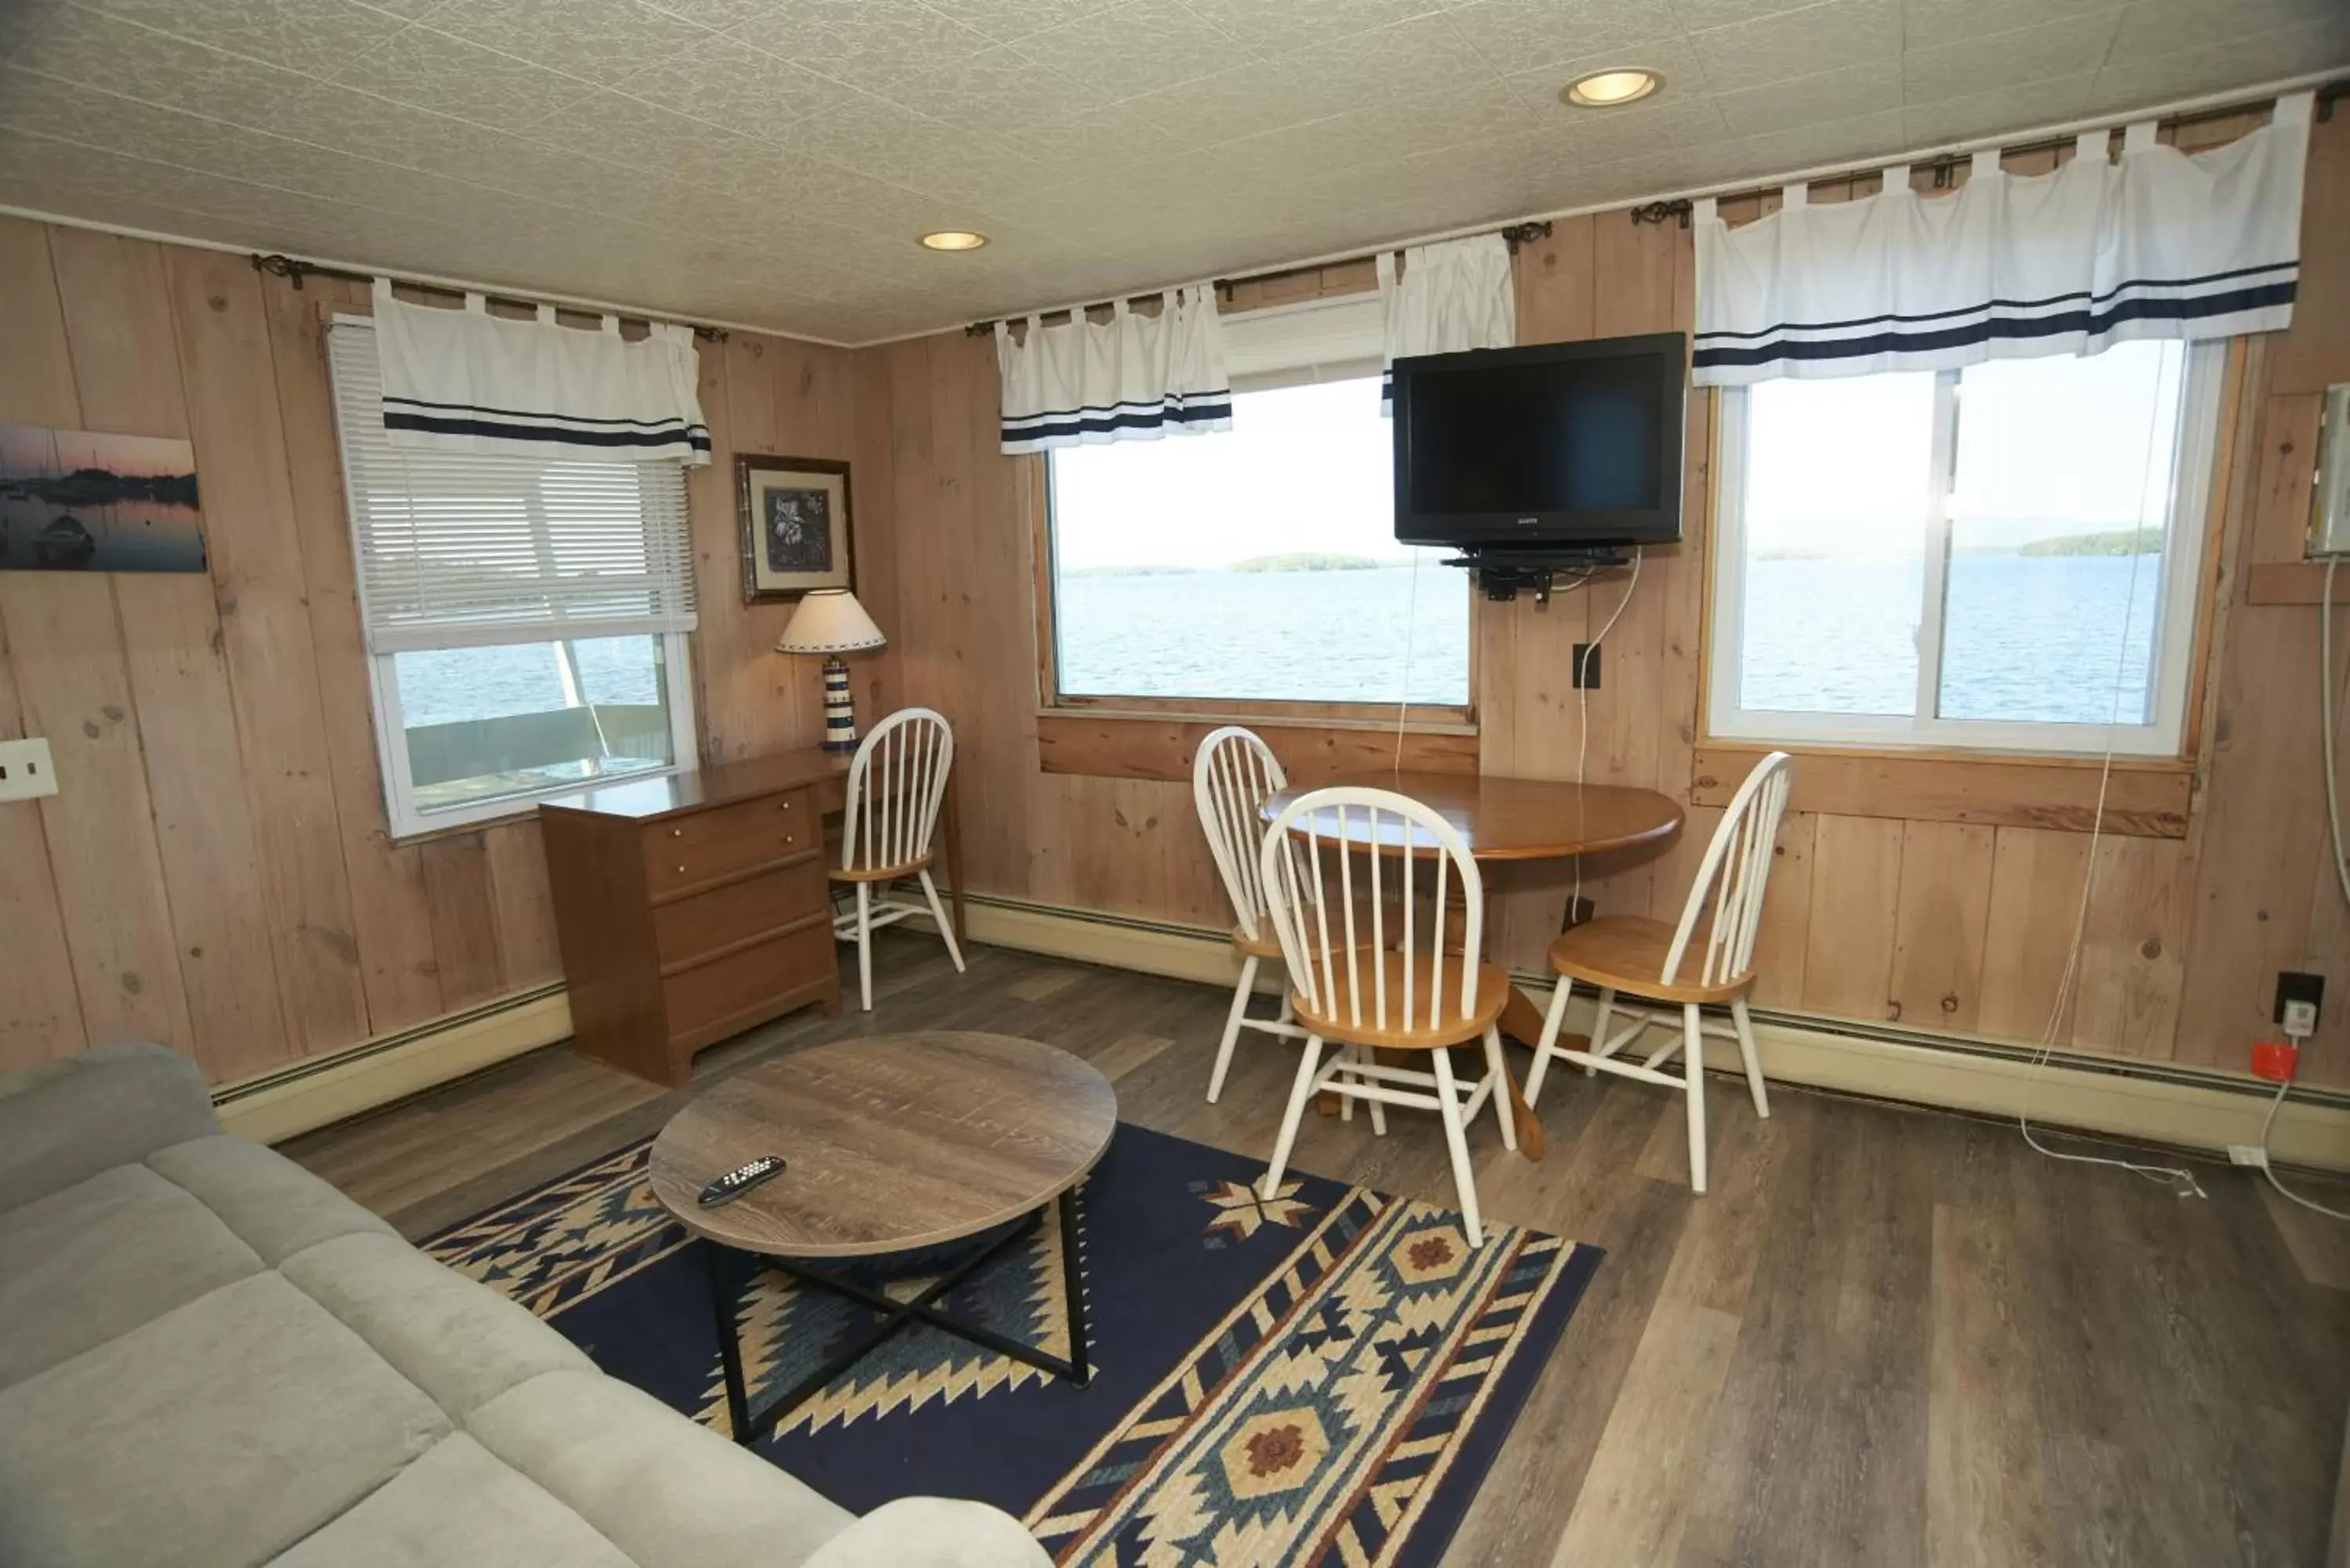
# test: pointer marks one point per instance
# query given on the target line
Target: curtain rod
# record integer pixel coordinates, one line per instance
(295, 270)
(2193, 112)
(1945, 164)
(1512, 235)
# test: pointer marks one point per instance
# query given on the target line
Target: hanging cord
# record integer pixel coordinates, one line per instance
(1583, 709)
(2178, 1178)
(1411, 625)
(2329, 732)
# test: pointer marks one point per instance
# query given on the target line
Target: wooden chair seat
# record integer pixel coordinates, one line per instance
(1332, 1021)
(879, 873)
(1627, 952)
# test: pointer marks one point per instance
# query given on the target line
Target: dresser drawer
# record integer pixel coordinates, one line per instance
(686, 851)
(714, 999)
(705, 922)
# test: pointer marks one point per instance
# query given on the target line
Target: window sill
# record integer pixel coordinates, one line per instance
(2147, 797)
(1126, 743)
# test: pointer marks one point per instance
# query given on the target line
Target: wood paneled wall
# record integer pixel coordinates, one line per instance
(1940, 920)
(216, 871)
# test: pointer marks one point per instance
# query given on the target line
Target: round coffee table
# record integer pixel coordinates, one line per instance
(889, 1144)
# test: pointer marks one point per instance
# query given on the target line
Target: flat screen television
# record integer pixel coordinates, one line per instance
(1558, 446)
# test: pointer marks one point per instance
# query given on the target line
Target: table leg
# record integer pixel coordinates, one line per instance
(722, 1277)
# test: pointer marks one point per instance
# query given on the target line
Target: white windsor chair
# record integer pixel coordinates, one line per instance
(1648, 958)
(896, 783)
(1232, 775)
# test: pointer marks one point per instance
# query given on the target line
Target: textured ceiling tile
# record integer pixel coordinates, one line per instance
(1525, 34)
(866, 43)
(100, 51)
(1246, 100)
(622, 130)
(997, 90)
(603, 42)
(2153, 28)
(1696, 16)
(20, 19)
(314, 37)
(1406, 60)
(1009, 21)
(1857, 138)
(432, 71)
(2002, 109)
(1121, 140)
(716, 14)
(1273, 29)
(727, 82)
(2074, 46)
(1928, 23)
(2266, 57)
(1782, 106)
(1137, 48)
(1798, 42)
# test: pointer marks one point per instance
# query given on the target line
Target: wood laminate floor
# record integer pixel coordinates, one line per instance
(1885, 1338)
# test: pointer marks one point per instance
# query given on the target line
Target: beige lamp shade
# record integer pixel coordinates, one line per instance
(829, 621)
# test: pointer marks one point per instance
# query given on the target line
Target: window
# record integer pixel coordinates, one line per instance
(525, 616)
(1259, 564)
(2002, 557)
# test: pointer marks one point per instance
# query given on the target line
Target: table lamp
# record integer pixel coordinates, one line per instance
(831, 622)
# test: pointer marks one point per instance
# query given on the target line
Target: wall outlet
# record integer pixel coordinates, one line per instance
(25, 772)
(2247, 1154)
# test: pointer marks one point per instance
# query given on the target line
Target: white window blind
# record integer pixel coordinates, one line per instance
(471, 549)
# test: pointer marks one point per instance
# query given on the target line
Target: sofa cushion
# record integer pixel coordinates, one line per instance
(81, 1266)
(64, 1121)
(455, 1507)
(214, 1436)
(461, 1343)
(663, 1490)
(277, 1207)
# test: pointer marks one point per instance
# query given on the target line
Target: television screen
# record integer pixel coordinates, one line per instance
(1560, 444)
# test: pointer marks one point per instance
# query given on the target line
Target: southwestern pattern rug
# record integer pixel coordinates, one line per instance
(1322, 1379)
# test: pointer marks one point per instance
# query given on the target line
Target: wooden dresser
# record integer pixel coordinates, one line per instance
(691, 908)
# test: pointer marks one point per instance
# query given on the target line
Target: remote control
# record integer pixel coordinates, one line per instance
(736, 1183)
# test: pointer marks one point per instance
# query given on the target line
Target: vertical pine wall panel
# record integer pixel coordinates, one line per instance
(218, 871)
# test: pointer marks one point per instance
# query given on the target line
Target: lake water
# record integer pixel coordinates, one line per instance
(2028, 638)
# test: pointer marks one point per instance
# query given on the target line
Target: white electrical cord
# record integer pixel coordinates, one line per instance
(2178, 1178)
(2329, 732)
(1410, 624)
(1583, 707)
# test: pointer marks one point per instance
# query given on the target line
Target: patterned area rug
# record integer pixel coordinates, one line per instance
(1325, 1377)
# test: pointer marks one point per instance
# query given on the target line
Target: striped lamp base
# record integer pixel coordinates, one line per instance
(839, 708)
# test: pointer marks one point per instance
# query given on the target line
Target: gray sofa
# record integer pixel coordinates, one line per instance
(210, 1359)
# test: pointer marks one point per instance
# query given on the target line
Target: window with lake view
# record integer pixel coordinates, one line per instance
(1258, 564)
(2002, 557)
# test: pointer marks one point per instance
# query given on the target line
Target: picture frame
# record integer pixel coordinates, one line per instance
(798, 528)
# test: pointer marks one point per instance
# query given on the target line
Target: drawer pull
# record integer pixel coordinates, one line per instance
(681, 870)
(677, 833)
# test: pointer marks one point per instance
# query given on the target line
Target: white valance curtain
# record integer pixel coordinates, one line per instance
(1450, 297)
(467, 381)
(1131, 378)
(2160, 244)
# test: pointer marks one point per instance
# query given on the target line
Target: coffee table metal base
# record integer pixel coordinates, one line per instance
(730, 1268)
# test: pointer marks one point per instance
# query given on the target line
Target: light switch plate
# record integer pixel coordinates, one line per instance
(25, 772)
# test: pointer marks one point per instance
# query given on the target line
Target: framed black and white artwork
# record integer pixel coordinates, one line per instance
(797, 528)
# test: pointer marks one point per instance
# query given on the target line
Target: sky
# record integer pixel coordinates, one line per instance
(2046, 447)
(26, 450)
(1302, 468)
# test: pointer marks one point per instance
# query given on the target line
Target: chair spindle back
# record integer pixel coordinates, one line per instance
(1235, 774)
(1308, 871)
(1732, 876)
(896, 786)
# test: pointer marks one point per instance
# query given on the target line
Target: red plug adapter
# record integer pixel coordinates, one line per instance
(2275, 1060)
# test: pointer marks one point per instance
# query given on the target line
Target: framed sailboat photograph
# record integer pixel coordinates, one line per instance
(83, 501)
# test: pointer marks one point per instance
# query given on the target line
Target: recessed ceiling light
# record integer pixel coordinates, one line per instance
(953, 239)
(1606, 90)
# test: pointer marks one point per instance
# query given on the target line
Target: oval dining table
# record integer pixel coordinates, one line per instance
(1508, 819)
